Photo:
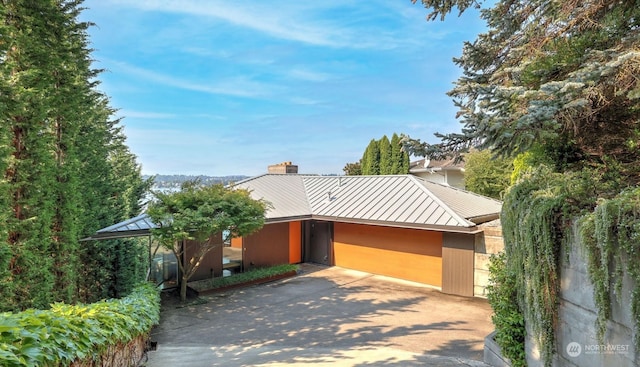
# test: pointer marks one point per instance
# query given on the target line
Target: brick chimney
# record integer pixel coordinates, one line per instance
(282, 168)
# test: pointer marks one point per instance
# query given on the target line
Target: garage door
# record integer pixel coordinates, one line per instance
(409, 254)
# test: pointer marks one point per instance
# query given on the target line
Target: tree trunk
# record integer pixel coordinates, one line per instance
(183, 288)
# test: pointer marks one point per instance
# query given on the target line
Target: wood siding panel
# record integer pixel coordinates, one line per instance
(409, 254)
(295, 242)
(269, 246)
(211, 264)
(458, 263)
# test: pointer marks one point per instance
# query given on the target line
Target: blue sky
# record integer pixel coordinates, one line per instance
(229, 87)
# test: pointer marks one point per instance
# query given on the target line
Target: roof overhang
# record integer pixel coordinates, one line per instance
(428, 227)
(138, 226)
(117, 235)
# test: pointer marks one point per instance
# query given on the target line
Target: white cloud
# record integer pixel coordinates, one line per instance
(278, 21)
(310, 23)
(240, 86)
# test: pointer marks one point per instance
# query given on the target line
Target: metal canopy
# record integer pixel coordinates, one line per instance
(135, 227)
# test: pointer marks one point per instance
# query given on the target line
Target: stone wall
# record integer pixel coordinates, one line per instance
(576, 342)
(486, 243)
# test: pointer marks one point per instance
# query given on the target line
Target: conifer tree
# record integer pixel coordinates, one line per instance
(371, 159)
(556, 77)
(386, 161)
(399, 158)
(31, 170)
(66, 171)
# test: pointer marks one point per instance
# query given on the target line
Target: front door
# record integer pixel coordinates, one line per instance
(318, 242)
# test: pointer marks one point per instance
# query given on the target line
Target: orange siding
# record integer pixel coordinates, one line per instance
(295, 242)
(236, 242)
(409, 254)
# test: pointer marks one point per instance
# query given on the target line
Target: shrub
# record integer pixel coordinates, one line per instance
(248, 276)
(507, 317)
(66, 333)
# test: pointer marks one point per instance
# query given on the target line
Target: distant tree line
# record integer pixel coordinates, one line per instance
(66, 170)
(381, 157)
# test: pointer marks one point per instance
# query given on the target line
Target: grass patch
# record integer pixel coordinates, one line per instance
(240, 278)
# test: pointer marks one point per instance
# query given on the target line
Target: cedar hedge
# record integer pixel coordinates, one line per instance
(103, 333)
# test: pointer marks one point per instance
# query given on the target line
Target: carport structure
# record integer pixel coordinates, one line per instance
(395, 225)
(163, 268)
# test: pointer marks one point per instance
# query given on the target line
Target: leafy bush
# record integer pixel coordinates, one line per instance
(66, 333)
(249, 276)
(507, 317)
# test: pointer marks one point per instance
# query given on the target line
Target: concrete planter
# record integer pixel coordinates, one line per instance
(493, 353)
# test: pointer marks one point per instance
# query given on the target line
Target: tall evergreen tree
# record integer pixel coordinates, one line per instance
(66, 171)
(386, 161)
(399, 158)
(381, 157)
(31, 169)
(371, 159)
(554, 77)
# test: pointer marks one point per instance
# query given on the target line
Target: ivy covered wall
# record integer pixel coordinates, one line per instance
(548, 218)
(577, 341)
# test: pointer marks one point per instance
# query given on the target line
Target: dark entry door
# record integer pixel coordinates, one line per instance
(318, 242)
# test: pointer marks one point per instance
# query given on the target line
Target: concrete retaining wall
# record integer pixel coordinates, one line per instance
(486, 243)
(576, 342)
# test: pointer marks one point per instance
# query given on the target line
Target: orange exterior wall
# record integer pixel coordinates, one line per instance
(236, 242)
(409, 254)
(295, 242)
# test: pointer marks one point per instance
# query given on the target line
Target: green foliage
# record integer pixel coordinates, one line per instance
(571, 89)
(536, 216)
(400, 159)
(66, 171)
(246, 277)
(65, 333)
(508, 319)
(611, 237)
(487, 175)
(371, 159)
(386, 161)
(353, 169)
(197, 213)
(382, 157)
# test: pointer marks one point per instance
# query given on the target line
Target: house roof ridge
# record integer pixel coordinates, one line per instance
(460, 189)
(420, 183)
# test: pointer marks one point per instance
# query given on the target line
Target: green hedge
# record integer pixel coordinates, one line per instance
(248, 276)
(66, 333)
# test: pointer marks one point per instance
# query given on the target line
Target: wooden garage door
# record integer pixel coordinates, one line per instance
(409, 254)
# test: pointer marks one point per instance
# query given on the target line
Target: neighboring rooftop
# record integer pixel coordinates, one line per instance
(427, 164)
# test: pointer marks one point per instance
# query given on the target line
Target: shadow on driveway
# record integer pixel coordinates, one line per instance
(325, 315)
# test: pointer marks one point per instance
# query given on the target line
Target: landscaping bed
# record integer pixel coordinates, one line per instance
(251, 277)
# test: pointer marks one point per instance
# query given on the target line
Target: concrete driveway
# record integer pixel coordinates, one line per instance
(324, 316)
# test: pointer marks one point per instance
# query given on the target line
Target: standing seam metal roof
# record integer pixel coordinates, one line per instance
(403, 200)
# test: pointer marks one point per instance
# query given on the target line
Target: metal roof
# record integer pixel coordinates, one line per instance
(394, 200)
(397, 200)
(134, 227)
(285, 193)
